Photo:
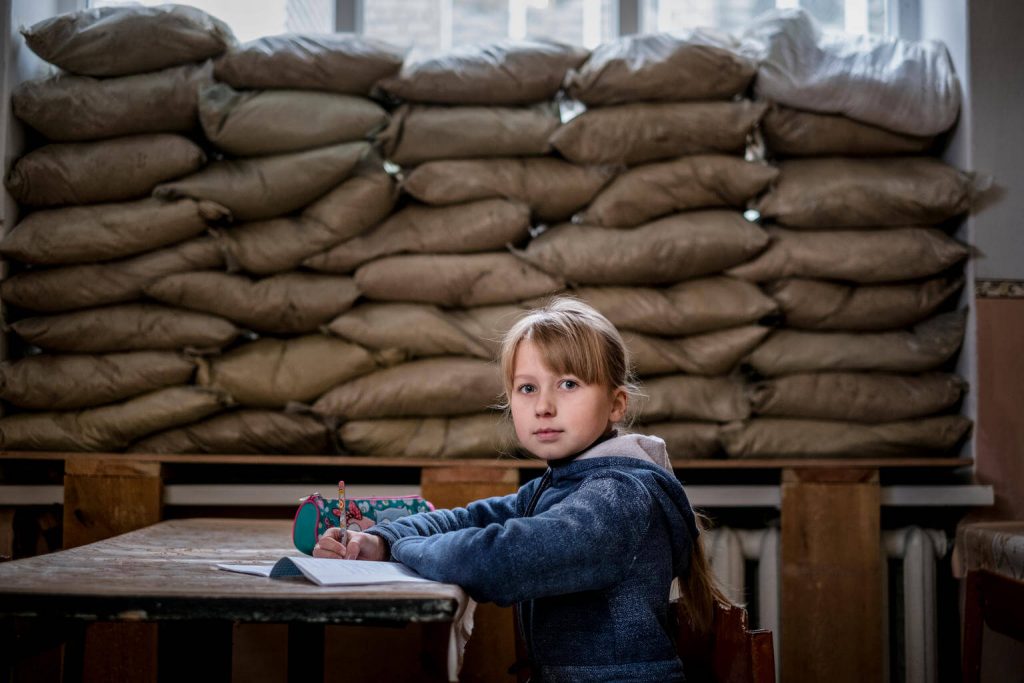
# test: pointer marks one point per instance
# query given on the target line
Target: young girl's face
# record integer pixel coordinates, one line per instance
(554, 414)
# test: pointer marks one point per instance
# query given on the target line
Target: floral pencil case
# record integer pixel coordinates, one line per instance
(317, 514)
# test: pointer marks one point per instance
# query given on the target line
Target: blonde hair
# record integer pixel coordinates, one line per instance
(572, 338)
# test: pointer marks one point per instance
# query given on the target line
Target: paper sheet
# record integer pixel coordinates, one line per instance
(325, 572)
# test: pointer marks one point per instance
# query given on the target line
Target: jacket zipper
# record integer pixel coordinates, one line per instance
(545, 483)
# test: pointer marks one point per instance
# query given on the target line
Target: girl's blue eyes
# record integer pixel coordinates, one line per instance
(567, 384)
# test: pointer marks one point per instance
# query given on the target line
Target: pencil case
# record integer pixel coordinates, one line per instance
(317, 514)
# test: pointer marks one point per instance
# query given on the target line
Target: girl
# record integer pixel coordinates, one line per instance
(588, 551)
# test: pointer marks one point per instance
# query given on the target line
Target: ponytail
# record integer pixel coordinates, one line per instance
(699, 589)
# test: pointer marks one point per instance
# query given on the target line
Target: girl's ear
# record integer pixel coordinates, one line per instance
(620, 401)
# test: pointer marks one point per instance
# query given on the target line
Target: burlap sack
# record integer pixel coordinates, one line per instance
(553, 188)
(696, 182)
(638, 133)
(470, 436)
(454, 280)
(290, 303)
(681, 397)
(485, 225)
(927, 346)
(419, 133)
(856, 396)
(431, 387)
(127, 327)
(821, 305)
(67, 108)
(109, 428)
(252, 123)
(690, 307)
(855, 255)
(268, 373)
(87, 285)
(686, 440)
(848, 193)
(422, 330)
(711, 353)
(265, 187)
(794, 133)
(681, 246)
(243, 431)
(336, 62)
(116, 41)
(65, 382)
(105, 171)
(782, 438)
(79, 234)
(508, 72)
(278, 245)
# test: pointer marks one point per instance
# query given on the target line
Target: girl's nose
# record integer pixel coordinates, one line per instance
(544, 407)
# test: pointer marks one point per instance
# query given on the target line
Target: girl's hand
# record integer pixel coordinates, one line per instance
(359, 546)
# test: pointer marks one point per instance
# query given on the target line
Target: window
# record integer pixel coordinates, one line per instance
(851, 16)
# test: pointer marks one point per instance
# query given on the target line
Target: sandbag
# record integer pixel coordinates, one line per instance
(106, 171)
(431, 387)
(691, 307)
(117, 41)
(87, 285)
(662, 67)
(856, 396)
(454, 280)
(281, 244)
(471, 436)
(506, 72)
(787, 438)
(336, 62)
(66, 108)
(422, 330)
(711, 353)
(127, 327)
(634, 134)
(261, 122)
(821, 305)
(80, 234)
(108, 428)
(848, 193)
(290, 303)
(905, 86)
(681, 397)
(553, 189)
(243, 431)
(794, 133)
(686, 440)
(485, 225)
(681, 246)
(419, 133)
(650, 191)
(866, 256)
(65, 382)
(926, 347)
(268, 373)
(265, 187)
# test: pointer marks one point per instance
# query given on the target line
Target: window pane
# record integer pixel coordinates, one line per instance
(269, 18)
(853, 16)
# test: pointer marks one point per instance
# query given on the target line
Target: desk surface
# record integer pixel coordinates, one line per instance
(166, 571)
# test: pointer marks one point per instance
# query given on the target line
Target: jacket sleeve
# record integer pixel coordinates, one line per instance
(588, 541)
(477, 514)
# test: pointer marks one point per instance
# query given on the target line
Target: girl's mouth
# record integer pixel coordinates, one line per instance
(547, 434)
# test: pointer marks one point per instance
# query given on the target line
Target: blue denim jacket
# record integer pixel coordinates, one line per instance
(588, 551)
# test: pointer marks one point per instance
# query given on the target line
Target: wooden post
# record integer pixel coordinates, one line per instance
(831, 626)
(104, 498)
(492, 649)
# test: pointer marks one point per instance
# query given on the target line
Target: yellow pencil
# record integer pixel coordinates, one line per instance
(343, 505)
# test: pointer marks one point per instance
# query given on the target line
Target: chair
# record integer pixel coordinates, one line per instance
(991, 600)
(730, 653)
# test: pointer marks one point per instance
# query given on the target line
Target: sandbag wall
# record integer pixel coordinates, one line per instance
(281, 288)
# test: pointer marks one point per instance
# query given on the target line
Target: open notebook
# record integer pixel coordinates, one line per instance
(325, 572)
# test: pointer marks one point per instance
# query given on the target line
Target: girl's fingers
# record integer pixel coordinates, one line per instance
(352, 551)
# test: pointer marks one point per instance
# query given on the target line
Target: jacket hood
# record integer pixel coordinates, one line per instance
(649, 448)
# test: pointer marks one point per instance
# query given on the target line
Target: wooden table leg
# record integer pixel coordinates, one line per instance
(831, 627)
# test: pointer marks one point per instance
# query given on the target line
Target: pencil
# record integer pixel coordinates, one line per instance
(342, 506)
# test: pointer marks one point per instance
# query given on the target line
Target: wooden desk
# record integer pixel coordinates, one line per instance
(166, 573)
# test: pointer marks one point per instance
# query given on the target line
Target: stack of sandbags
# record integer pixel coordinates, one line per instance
(116, 122)
(859, 264)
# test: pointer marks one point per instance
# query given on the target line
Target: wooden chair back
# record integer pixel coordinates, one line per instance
(729, 653)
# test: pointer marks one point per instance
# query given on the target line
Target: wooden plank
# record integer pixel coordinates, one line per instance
(120, 652)
(110, 467)
(259, 652)
(492, 649)
(98, 505)
(831, 625)
(6, 534)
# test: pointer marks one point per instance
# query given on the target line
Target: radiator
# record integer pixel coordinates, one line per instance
(917, 549)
